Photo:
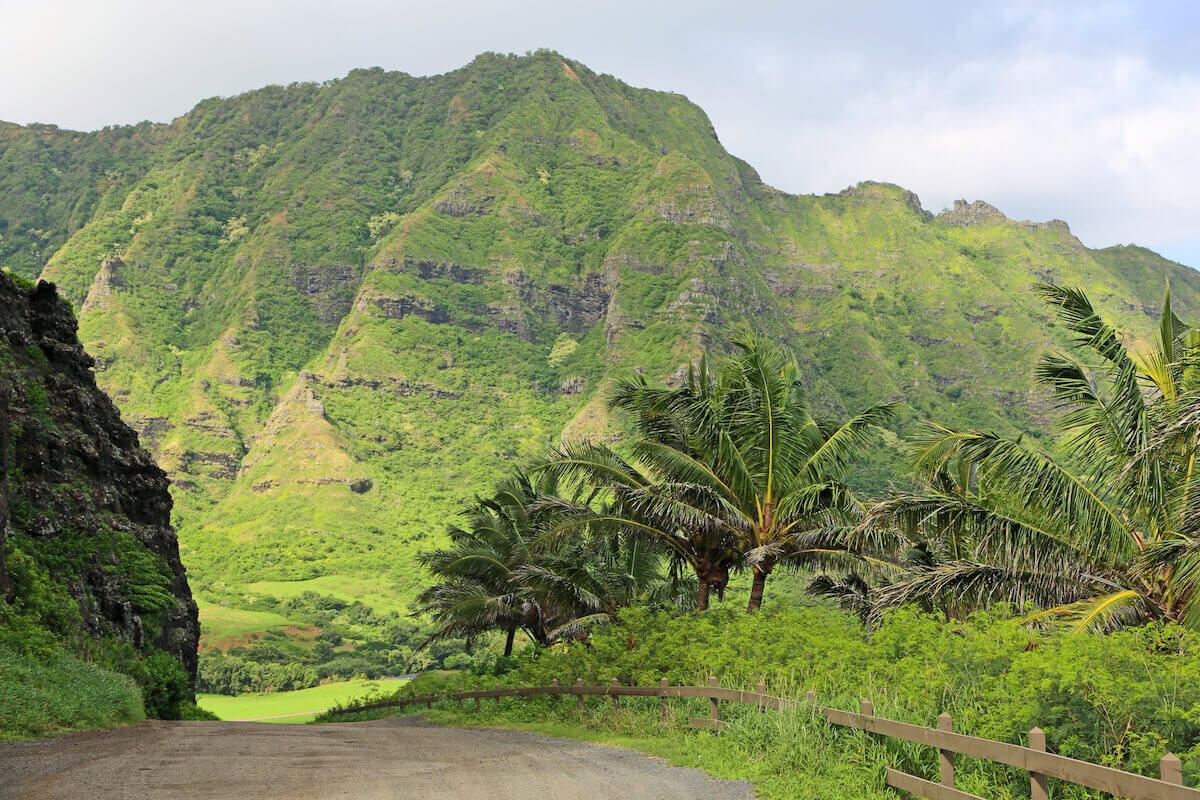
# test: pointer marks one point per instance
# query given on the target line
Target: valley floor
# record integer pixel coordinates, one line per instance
(293, 707)
(393, 758)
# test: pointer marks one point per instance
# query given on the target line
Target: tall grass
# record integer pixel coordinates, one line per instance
(40, 696)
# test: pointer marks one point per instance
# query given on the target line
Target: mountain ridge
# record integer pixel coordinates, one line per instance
(333, 311)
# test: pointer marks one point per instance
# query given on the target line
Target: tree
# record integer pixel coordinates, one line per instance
(510, 568)
(640, 506)
(1103, 528)
(732, 464)
(478, 582)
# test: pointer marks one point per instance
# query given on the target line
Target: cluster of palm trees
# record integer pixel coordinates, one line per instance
(730, 471)
(509, 568)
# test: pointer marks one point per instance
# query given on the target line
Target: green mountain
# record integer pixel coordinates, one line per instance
(334, 311)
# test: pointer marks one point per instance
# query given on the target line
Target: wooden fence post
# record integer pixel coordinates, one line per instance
(1170, 769)
(662, 701)
(1039, 784)
(811, 696)
(579, 702)
(761, 689)
(945, 757)
(713, 713)
(616, 700)
(866, 708)
(478, 704)
(554, 683)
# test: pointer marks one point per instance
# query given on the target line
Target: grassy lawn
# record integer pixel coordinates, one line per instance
(226, 627)
(299, 703)
(373, 592)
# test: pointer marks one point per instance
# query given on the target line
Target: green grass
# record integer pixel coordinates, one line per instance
(224, 627)
(294, 705)
(373, 592)
(59, 693)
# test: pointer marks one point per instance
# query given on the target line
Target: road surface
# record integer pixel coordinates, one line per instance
(405, 759)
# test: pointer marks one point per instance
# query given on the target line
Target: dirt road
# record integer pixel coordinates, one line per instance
(396, 758)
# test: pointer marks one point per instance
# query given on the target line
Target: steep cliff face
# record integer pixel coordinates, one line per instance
(87, 506)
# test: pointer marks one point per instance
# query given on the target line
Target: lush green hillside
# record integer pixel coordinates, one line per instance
(334, 311)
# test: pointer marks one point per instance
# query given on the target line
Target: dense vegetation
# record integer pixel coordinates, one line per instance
(1102, 529)
(331, 309)
(729, 471)
(1123, 699)
(52, 692)
(340, 639)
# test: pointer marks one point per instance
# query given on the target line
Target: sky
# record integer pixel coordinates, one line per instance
(1087, 112)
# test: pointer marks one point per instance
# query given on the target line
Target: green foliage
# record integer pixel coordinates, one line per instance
(1123, 699)
(510, 567)
(52, 691)
(42, 612)
(164, 684)
(729, 469)
(226, 674)
(1100, 531)
(353, 639)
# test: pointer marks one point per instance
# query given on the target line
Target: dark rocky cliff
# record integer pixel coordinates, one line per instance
(87, 505)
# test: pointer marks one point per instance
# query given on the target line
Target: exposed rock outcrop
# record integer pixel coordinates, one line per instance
(88, 504)
(965, 213)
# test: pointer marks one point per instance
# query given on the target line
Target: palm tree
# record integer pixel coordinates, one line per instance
(639, 505)
(478, 583)
(592, 579)
(507, 569)
(732, 464)
(1102, 529)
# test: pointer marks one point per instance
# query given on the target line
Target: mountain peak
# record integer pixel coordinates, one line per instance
(973, 213)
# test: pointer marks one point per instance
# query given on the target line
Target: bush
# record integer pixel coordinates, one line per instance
(164, 685)
(231, 674)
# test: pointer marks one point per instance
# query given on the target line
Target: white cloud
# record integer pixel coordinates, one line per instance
(1087, 111)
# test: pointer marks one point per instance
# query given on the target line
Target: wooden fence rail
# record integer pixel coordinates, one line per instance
(1040, 764)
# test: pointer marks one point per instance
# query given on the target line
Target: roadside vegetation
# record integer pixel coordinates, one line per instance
(54, 679)
(1122, 699)
(54, 692)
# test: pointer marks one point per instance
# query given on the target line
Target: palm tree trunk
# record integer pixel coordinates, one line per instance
(508, 643)
(756, 590)
(702, 594)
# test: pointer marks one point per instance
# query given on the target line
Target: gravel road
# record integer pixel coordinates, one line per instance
(394, 758)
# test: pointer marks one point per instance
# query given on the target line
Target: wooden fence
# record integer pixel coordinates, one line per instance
(1040, 764)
